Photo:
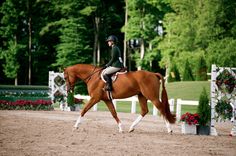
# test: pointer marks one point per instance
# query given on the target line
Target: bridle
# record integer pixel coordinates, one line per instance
(85, 80)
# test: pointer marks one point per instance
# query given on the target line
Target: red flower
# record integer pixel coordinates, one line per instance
(190, 118)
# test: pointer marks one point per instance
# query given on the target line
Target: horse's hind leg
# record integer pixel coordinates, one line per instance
(157, 104)
(114, 114)
(87, 106)
(144, 111)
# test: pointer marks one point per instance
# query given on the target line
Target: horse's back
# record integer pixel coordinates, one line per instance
(141, 76)
(140, 79)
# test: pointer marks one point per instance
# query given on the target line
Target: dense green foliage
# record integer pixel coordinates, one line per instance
(204, 108)
(37, 36)
(70, 99)
(174, 73)
(201, 73)
(188, 74)
(13, 93)
(196, 28)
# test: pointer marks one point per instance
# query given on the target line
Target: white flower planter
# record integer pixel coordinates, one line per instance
(188, 129)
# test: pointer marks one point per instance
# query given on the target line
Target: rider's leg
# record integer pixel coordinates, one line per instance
(108, 81)
(107, 76)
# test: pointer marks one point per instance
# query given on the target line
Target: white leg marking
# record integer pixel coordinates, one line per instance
(168, 126)
(139, 118)
(78, 121)
(120, 127)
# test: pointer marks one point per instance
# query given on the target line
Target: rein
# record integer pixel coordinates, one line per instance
(91, 74)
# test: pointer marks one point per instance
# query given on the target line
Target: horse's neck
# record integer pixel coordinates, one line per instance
(86, 71)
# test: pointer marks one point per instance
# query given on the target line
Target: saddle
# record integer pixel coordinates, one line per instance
(108, 87)
(115, 75)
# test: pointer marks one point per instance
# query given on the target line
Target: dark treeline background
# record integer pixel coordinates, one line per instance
(181, 38)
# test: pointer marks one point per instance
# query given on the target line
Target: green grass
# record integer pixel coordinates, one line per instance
(124, 107)
(187, 90)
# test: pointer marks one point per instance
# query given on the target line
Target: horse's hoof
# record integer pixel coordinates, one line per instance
(131, 130)
(74, 128)
(170, 132)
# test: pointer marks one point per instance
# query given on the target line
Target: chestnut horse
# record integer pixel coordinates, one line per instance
(142, 83)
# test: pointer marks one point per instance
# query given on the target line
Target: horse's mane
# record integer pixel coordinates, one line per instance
(78, 67)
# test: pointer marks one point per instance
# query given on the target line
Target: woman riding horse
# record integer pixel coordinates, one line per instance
(115, 64)
(144, 84)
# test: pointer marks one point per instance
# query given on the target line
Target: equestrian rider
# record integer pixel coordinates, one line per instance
(115, 64)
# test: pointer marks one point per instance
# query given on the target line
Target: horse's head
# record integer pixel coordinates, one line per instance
(79, 71)
(69, 83)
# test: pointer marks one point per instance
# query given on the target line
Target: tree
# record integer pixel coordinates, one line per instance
(95, 10)
(188, 74)
(204, 109)
(10, 34)
(21, 22)
(174, 74)
(73, 47)
(196, 28)
(143, 19)
(201, 74)
(179, 38)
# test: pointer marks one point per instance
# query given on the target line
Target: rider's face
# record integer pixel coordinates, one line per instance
(110, 43)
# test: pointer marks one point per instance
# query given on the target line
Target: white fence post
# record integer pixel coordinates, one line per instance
(114, 103)
(178, 109)
(183, 102)
(154, 111)
(95, 107)
(172, 105)
(133, 105)
(213, 100)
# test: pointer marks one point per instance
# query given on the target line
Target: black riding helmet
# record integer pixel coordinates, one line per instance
(112, 38)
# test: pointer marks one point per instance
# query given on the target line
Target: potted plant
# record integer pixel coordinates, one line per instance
(204, 112)
(70, 101)
(189, 122)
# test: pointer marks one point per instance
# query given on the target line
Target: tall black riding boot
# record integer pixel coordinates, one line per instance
(108, 82)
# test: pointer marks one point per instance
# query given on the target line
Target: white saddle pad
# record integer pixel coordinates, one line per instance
(114, 76)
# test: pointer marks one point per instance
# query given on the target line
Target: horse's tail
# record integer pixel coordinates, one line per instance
(164, 99)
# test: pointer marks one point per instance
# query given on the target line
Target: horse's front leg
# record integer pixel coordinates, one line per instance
(87, 106)
(114, 114)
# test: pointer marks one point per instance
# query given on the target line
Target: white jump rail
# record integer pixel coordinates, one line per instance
(132, 99)
(181, 102)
